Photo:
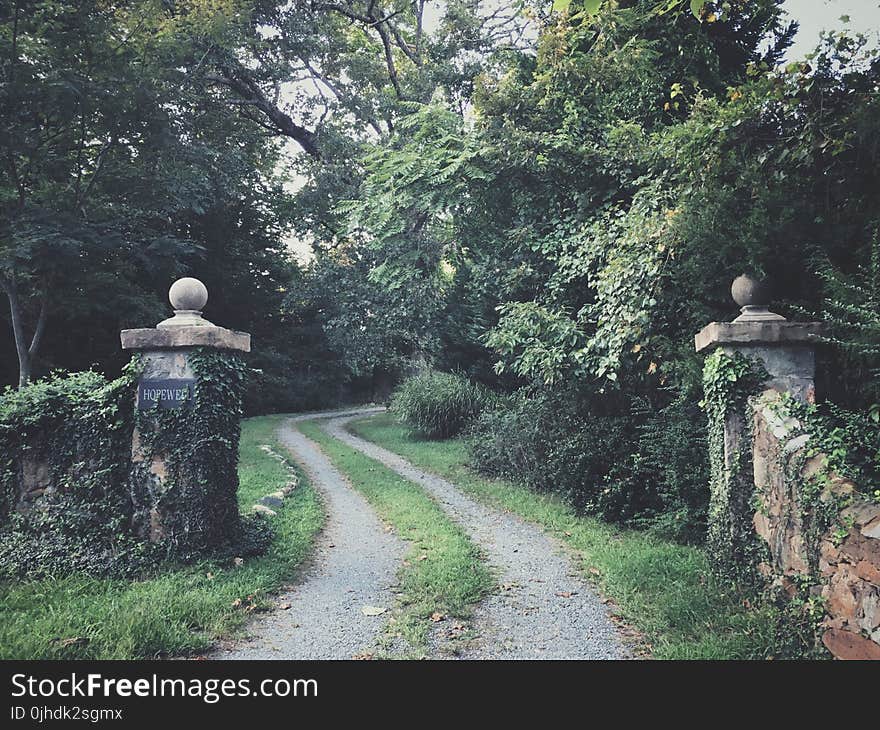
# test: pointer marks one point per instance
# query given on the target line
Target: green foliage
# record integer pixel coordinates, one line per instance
(199, 449)
(849, 441)
(728, 383)
(364, 328)
(439, 405)
(642, 466)
(179, 611)
(559, 441)
(125, 168)
(70, 437)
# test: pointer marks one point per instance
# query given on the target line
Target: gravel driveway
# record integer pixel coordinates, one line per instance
(543, 609)
(354, 564)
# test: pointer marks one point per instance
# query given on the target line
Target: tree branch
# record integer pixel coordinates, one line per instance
(281, 122)
(41, 323)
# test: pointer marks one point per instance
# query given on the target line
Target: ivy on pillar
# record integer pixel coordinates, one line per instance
(757, 351)
(188, 406)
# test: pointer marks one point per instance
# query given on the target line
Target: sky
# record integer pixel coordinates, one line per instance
(815, 16)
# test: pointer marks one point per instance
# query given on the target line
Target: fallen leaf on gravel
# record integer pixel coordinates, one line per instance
(373, 610)
(566, 594)
(366, 656)
(509, 586)
(567, 533)
(331, 545)
(423, 556)
(283, 606)
(595, 571)
(437, 616)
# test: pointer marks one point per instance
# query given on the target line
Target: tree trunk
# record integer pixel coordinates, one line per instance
(24, 354)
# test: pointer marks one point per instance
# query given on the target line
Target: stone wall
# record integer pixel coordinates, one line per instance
(816, 525)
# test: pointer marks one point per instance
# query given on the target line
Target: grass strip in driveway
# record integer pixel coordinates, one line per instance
(663, 589)
(179, 610)
(444, 574)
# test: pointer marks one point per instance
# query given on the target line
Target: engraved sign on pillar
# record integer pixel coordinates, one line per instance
(168, 393)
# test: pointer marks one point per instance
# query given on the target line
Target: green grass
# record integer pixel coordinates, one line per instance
(178, 612)
(663, 589)
(451, 579)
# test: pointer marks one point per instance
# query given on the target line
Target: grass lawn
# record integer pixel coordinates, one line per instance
(443, 572)
(663, 589)
(177, 612)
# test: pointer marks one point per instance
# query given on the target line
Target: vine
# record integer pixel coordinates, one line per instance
(64, 454)
(729, 381)
(70, 495)
(198, 448)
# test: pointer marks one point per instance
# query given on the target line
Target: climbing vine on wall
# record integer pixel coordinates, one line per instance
(197, 448)
(64, 457)
(729, 380)
(69, 494)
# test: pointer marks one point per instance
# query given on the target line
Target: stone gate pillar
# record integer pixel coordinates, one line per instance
(184, 451)
(787, 352)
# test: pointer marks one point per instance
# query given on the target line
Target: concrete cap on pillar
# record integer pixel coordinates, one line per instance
(187, 328)
(756, 324)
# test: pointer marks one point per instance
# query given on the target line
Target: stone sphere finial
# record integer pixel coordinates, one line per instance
(748, 291)
(188, 296)
(753, 296)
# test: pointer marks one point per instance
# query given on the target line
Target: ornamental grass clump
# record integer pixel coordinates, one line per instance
(439, 405)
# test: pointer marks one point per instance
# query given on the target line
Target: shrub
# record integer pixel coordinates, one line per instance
(555, 441)
(625, 461)
(439, 405)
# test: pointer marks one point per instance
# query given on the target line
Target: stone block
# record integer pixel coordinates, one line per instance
(858, 547)
(756, 333)
(841, 596)
(862, 513)
(845, 644)
(870, 609)
(218, 338)
(868, 571)
(872, 529)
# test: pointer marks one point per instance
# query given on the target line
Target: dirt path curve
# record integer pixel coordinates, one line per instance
(354, 564)
(543, 609)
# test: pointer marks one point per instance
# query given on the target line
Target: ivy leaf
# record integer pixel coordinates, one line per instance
(591, 7)
(560, 6)
(697, 7)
